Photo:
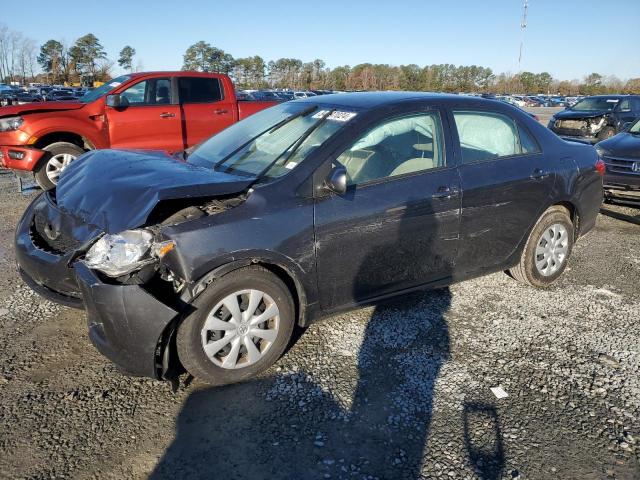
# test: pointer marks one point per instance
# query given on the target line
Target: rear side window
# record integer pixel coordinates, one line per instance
(487, 136)
(199, 90)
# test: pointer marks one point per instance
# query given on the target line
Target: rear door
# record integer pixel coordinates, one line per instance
(206, 109)
(151, 120)
(506, 180)
(396, 227)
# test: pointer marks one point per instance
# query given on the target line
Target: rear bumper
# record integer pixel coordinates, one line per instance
(125, 322)
(20, 158)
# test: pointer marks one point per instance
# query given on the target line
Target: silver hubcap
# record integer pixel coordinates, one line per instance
(57, 164)
(552, 249)
(240, 329)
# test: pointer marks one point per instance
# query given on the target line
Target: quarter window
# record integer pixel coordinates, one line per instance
(486, 136)
(396, 147)
(199, 90)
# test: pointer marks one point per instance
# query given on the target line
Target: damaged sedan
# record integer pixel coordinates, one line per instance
(597, 118)
(207, 260)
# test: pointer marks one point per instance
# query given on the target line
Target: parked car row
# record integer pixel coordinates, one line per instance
(280, 95)
(16, 95)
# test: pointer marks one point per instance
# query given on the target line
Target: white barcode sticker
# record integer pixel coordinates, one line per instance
(335, 116)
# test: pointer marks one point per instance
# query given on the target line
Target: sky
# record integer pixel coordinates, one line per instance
(567, 38)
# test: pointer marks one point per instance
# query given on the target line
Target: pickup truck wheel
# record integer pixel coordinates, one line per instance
(240, 326)
(606, 132)
(547, 251)
(62, 154)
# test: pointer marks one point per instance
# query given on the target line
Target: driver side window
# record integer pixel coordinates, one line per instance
(399, 146)
(156, 91)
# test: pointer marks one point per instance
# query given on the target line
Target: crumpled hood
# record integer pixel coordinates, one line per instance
(116, 190)
(623, 145)
(576, 114)
(39, 107)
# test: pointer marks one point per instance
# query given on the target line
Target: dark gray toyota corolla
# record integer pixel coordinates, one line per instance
(206, 260)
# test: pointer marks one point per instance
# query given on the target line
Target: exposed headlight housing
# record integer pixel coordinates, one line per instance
(596, 124)
(8, 124)
(122, 253)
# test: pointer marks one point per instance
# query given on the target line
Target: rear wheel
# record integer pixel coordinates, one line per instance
(61, 155)
(241, 325)
(547, 251)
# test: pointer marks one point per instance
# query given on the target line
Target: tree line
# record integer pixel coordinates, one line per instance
(255, 72)
(85, 61)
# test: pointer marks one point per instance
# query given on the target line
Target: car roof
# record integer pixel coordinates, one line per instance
(367, 100)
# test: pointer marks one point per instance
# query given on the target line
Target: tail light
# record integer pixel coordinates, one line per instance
(601, 167)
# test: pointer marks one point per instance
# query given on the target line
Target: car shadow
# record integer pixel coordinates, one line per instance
(254, 430)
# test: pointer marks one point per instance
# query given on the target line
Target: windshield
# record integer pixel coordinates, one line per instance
(635, 128)
(593, 104)
(272, 142)
(103, 89)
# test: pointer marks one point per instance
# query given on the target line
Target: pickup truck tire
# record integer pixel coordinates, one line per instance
(547, 251)
(211, 322)
(62, 154)
(606, 132)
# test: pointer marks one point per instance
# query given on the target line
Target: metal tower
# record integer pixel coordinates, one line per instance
(523, 26)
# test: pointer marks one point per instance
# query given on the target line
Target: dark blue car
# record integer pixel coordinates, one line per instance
(621, 155)
(597, 118)
(206, 260)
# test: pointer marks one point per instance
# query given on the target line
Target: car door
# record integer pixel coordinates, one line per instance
(205, 108)
(150, 120)
(506, 179)
(396, 226)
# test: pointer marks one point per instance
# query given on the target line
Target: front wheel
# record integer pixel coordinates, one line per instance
(547, 251)
(61, 155)
(240, 326)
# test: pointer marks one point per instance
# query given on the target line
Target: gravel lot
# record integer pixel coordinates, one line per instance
(396, 391)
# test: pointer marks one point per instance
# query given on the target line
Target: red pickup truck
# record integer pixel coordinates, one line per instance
(156, 110)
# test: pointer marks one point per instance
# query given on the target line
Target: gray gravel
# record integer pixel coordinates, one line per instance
(396, 391)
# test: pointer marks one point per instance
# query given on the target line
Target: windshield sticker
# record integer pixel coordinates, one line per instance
(335, 116)
(291, 165)
(612, 100)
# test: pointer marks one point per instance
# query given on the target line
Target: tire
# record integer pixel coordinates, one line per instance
(190, 339)
(550, 223)
(61, 152)
(606, 132)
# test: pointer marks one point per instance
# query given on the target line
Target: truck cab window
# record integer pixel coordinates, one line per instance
(199, 90)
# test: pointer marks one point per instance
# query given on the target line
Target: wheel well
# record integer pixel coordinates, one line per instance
(69, 137)
(292, 285)
(573, 215)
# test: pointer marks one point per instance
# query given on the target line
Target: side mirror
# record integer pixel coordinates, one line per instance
(337, 180)
(116, 101)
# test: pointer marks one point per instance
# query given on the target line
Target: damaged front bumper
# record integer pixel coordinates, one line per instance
(126, 324)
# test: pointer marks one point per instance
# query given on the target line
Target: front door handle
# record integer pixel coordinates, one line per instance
(220, 111)
(167, 115)
(445, 192)
(539, 174)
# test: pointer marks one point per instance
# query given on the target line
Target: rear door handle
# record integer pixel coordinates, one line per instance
(167, 115)
(220, 111)
(445, 192)
(539, 174)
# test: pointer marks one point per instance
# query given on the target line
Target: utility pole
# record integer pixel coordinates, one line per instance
(523, 26)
